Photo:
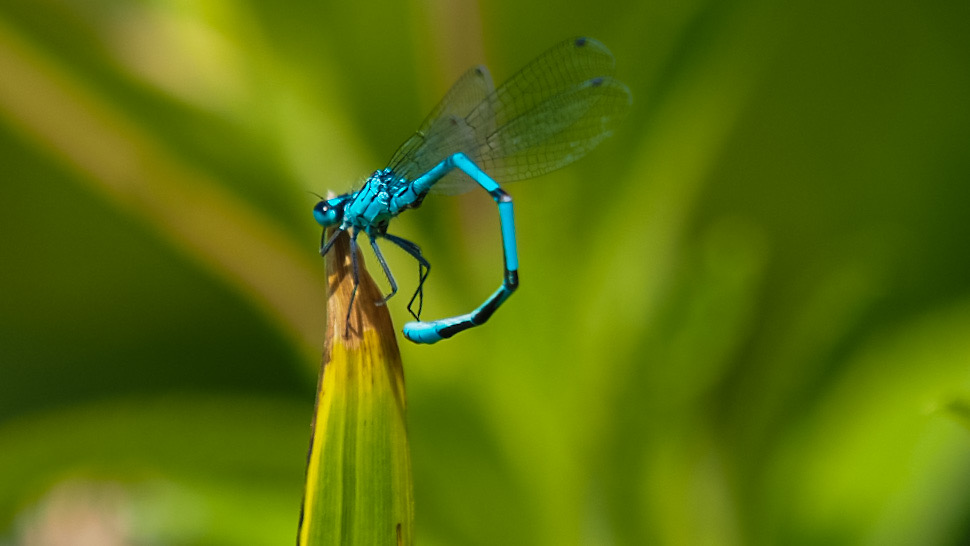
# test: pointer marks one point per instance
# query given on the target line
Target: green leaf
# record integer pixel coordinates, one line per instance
(359, 488)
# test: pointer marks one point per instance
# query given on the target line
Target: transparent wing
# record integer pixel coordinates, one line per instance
(437, 130)
(556, 132)
(549, 114)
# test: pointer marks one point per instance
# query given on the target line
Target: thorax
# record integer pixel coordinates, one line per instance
(382, 197)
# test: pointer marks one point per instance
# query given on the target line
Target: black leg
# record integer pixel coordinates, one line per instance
(424, 269)
(356, 271)
(325, 243)
(387, 270)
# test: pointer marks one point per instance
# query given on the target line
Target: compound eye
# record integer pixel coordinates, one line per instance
(326, 214)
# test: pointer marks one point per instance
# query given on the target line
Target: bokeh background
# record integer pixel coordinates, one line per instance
(744, 319)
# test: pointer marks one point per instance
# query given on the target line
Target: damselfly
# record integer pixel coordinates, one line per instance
(549, 114)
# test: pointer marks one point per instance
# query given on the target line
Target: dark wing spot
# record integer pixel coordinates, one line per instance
(580, 42)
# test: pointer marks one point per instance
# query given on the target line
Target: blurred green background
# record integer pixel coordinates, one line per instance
(744, 319)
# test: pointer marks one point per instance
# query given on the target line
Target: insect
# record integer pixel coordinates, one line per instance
(549, 114)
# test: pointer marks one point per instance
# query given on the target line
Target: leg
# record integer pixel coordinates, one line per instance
(424, 268)
(387, 270)
(434, 331)
(356, 271)
(325, 243)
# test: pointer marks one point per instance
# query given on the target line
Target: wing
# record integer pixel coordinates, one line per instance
(438, 131)
(549, 114)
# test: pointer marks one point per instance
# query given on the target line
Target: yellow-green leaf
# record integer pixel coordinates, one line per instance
(359, 488)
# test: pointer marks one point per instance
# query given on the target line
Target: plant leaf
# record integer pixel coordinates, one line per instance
(359, 488)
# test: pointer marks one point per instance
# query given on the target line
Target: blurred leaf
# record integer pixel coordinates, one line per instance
(211, 452)
(135, 172)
